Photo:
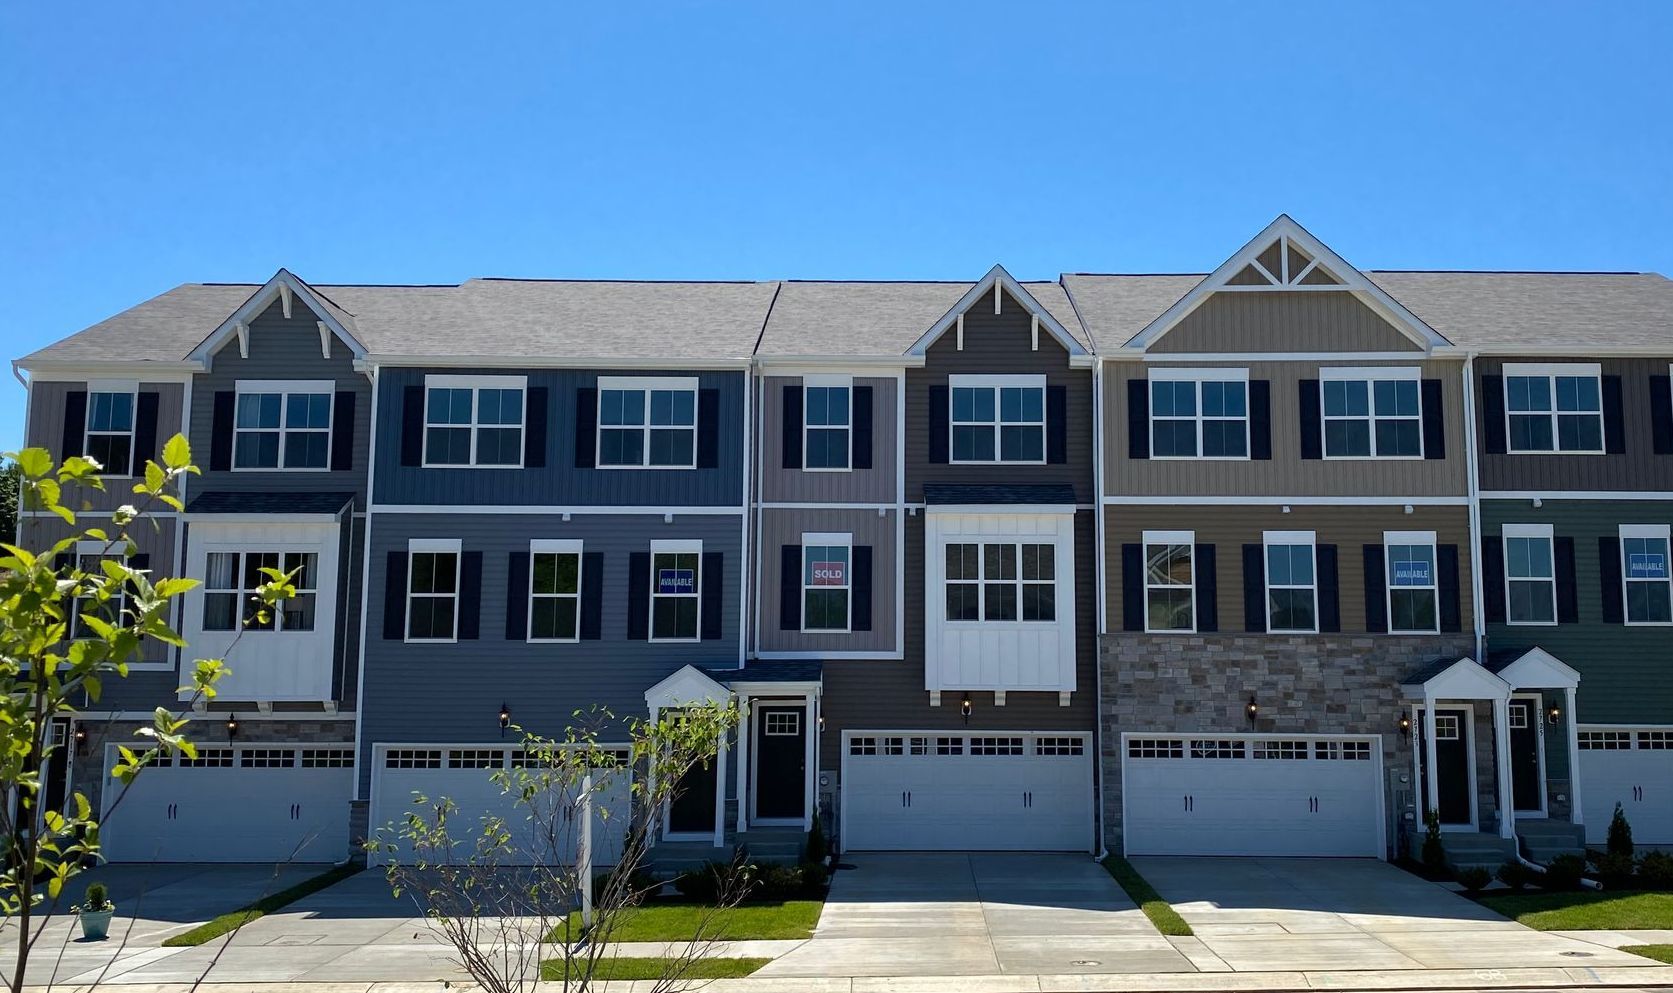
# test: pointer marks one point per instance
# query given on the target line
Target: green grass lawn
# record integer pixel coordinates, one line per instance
(1160, 912)
(1584, 910)
(678, 921)
(1661, 953)
(621, 969)
(236, 919)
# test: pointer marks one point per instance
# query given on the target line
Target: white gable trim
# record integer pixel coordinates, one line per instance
(686, 687)
(1353, 281)
(1464, 679)
(996, 279)
(1538, 669)
(282, 286)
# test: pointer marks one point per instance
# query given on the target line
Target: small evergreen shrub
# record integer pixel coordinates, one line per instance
(1620, 834)
(1515, 875)
(97, 897)
(1613, 869)
(1475, 878)
(1655, 871)
(1434, 852)
(1564, 873)
(816, 849)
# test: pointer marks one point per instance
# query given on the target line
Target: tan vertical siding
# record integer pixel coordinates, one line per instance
(874, 485)
(1284, 321)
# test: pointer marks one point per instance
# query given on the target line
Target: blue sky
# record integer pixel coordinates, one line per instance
(153, 144)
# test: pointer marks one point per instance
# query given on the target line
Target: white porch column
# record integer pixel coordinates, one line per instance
(720, 794)
(1573, 718)
(744, 734)
(1432, 792)
(810, 761)
(1501, 750)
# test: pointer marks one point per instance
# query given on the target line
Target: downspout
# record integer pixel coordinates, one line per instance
(374, 374)
(1098, 592)
(1477, 594)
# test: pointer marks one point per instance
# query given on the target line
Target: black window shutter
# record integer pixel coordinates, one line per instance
(1312, 428)
(1609, 576)
(638, 596)
(714, 586)
(1132, 587)
(592, 596)
(1661, 414)
(1330, 589)
(145, 431)
(1376, 603)
(790, 588)
(412, 426)
(1446, 588)
(586, 424)
(1254, 587)
(534, 430)
(470, 596)
(859, 590)
(221, 430)
(517, 597)
(1138, 420)
(1434, 420)
(792, 426)
(75, 425)
(939, 414)
(861, 412)
(138, 563)
(1208, 593)
(1057, 424)
(1260, 419)
(708, 429)
(342, 431)
(1568, 595)
(1493, 414)
(395, 596)
(1614, 417)
(1493, 579)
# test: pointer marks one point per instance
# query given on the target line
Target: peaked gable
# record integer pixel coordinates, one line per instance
(989, 287)
(285, 287)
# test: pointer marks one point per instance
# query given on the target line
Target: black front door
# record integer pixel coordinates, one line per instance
(1524, 755)
(1452, 758)
(780, 762)
(692, 811)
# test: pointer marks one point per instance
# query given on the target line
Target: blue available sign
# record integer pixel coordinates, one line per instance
(676, 581)
(1647, 565)
(1411, 573)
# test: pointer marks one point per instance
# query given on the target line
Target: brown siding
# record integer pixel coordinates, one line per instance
(874, 485)
(785, 527)
(1637, 469)
(46, 430)
(1286, 473)
(1284, 321)
(1229, 528)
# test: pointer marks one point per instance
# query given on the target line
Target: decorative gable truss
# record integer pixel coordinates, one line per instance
(334, 323)
(991, 287)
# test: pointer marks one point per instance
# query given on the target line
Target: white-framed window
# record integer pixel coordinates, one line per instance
(1374, 413)
(785, 723)
(1647, 584)
(1199, 413)
(827, 423)
(1292, 591)
(474, 421)
(283, 424)
(433, 589)
(676, 589)
(1553, 408)
(1412, 587)
(1001, 581)
(647, 422)
(1170, 589)
(110, 426)
(1530, 574)
(230, 581)
(826, 581)
(997, 419)
(89, 555)
(555, 589)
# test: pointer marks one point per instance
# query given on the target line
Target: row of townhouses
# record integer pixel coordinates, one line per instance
(1274, 560)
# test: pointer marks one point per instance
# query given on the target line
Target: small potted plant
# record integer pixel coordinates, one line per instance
(95, 912)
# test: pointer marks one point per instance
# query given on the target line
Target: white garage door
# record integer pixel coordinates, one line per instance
(243, 803)
(543, 832)
(1252, 795)
(996, 791)
(1632, 767)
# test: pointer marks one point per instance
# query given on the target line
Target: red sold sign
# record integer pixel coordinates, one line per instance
(830, 573)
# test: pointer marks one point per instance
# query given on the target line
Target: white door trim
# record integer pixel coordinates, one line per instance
(1468, 707)
(754, 769)
(1537, 715)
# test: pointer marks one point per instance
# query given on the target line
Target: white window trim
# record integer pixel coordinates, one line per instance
(675, 546)
(285, 388)
(1187, 538)
(556, 546)
(260, 547)
(476, 384)
(828, 381)
(1198, 376)
(131, 388)
(1284, 539)
(828, 539)
(996, 383)
(982, 582)
(415, 545)
(1550, 371)
(102, 550)
(1371, 375)
(1661, 531)
(1548, 532)
(1411, 538)
(645, 384)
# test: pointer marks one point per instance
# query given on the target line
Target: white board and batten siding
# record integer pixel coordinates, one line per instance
(1632, 766)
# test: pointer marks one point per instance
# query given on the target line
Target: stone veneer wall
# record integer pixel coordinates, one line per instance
(1307, 684)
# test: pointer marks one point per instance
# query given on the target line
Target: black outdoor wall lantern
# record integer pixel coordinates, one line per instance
(1252, 709)
(1554, 714)
(505, 718)
(81, 740)
(964, 710)
(1405, 725)
(232, 725)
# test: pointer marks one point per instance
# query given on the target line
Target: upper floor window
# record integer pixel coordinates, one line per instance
(1530, 574)
(996, 581)
(110, 427)
(474, 421)
(230, 584)
(1372, 413)
(1413, 591)
(998, 418)
(1554, 408)
(554, 590)
(1292, 603)
(1199, 413)
(433, 589)
(828, 422)
(1169, 583)
(113, 611)
(826, 581)
(1645, 573)
(282, 425)
(648, 423)
(676, 587)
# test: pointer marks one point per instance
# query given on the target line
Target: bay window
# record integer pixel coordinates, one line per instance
(1001, 581)
(231, 601)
